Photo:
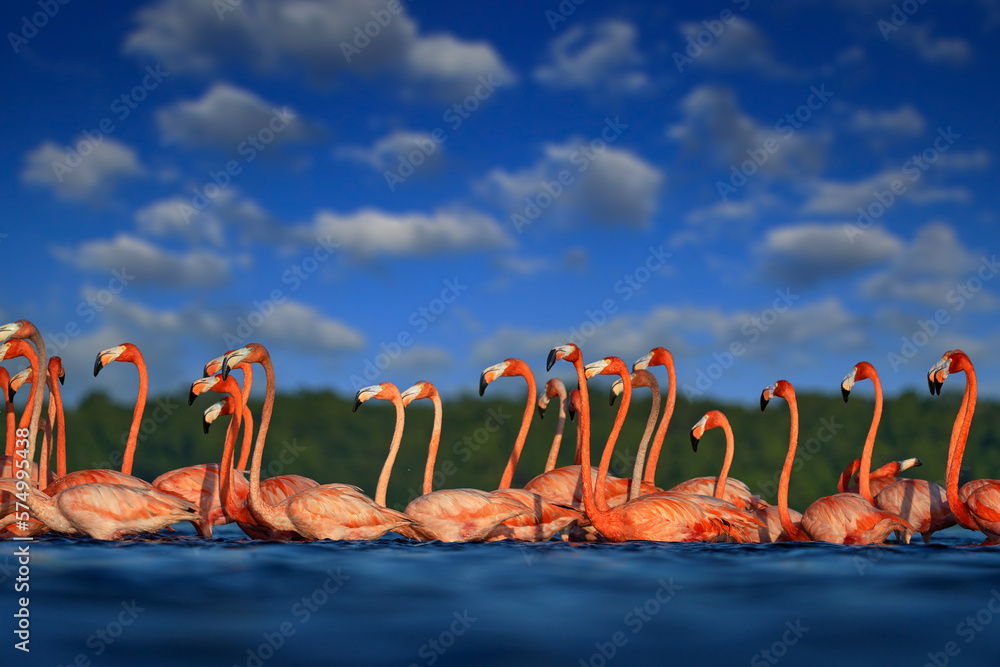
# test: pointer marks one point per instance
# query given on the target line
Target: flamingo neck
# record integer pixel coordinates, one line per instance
(235, 506)
(600, 498)
(720, 482)
(140, 405)
(844, 483)
(30, 403)
(266, 513)
(550, 462)
(661, 432)
(634, 486)
(583, 435)
(958, 508)
(522, 434)
(41, 506)
(11, 419)
(956, 428)
(46, 454)
(245, 444)
(864, 487)
(786, 473)
(397, 437)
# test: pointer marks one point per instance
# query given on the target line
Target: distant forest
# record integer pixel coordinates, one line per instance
(316, 434)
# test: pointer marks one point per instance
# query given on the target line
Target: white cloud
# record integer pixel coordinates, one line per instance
(831, 197)
(301, 327)
(386, 152)
(369, 231)
(714, 127)
(227, 216)
(615, 186)
(740, 47)
(600, 60)
(138, 262)
(804, 254)
(324, 38)
(905, 120)
(948, 50)
(83, 170)
(928, 269)
(227, 116)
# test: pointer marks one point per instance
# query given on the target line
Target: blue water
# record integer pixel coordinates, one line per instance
(231, 601)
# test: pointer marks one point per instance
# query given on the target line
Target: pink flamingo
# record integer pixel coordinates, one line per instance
(922, 504)
(659, 356)
(844, 518)
(640, 378)
(10, 416)
(329, 511)
(101, 511)
(55, 416)
(449, 515)
(766, 514)
(661, 516)
(879, 478)
(980, 510)
(546, 518)
(10, 350)
(553, 388)
(723, 486)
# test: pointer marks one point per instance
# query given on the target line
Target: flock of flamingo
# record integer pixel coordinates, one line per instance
(576, 502)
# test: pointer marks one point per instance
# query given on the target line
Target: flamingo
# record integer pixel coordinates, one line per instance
(127, 352)
(10, 350)
(554, 387)
(55, 415)
(667, 516)
(102, 511)
(980, 510)
(11, 417)
(766, 514)
(329, 511)
(879, 478)
(723, 486)
(844, 518)
(546, 518)
(659, 356)
(923, 504)
(449, 515)
(640, 378)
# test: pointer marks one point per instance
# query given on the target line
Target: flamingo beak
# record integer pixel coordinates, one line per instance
(642, 363)
(364, 394)
(230, 361)
(697, 431)
(906, 464)
(595, 368)
(16, 382)
(212, 367)
(555, 355)
(765, 397)
(199, 387)
(616, 390)
(490, 374)
(105, 357)
(62, 377)
(543, 402)
(694, 441)
(411, 393)
(3, 349)
(211, 414)
(8, 330)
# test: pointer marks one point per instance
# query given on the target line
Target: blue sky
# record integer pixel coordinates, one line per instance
(767, 189)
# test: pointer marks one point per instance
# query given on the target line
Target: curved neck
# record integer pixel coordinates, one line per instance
(56, 394)
(432, 448)
(140, 405)
(39, 504)
(600, 497)
(844, 483)
(30, 403)
(583, 435)
(786, 473)
(550, 462)
(11, 420)
(46, 453)
(661, 432)
(247, 439)
(635, 486)
(866, 456)
(266, 512)
(958, 508)
(720, 482)
(397, 437)
(956, 428)
(522, 434)
(234, 504)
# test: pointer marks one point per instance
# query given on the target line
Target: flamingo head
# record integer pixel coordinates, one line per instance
(17, 381)
(766, 396)
(105, 357)
(56, 369)
(658, 356)
(491, 374)
(570, 352)
(384, 391)
(422, 389)
(215, 365)
(697, 431)
(199, 387)
(575, 403)
(553, 387)
(848, 383)
(953, 361)
(249, 353)
(543, 403)
(606, 366)
(16, 348)
(216, 410)
(18, 329)
(616, 390)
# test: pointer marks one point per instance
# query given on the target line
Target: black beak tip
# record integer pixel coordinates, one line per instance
(191, 397)
(357, 403)
(694, 442)
(482, 384)
(550, 362)
(205, 425)
(763, 402)
(541, 412)
(97, 365)
(611, 399)
(845, 393)
(62, 379)
(10, 394)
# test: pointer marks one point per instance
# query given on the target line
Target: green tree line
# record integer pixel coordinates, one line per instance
(315, 433)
